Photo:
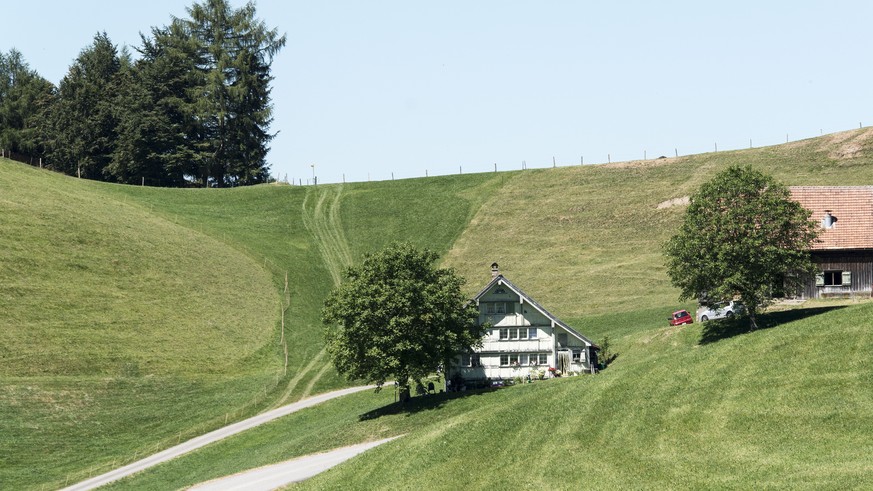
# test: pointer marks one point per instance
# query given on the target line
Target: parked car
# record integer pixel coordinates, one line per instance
(680, 317)
(719, 311)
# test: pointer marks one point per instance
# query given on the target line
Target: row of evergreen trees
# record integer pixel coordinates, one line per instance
(193, 109)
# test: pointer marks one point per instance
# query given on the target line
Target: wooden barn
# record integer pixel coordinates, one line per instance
(844, 254)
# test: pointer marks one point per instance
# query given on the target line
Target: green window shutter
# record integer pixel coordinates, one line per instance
(819, 279)
(847, 278)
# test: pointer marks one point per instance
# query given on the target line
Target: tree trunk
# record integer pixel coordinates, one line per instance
(753, 319)
(403, 383)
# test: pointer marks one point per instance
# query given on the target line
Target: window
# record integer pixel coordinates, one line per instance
(522, 333)
(504, 334)
(465, 360)
(578, 356)
(532, 332)
(522, 359)
(834, 278)
(499, 308)
(475, 361)
(504, 360)
(513, 359)
(513, 334)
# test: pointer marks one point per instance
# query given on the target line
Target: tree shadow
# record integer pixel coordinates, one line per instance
(717, 330)
(417, 404)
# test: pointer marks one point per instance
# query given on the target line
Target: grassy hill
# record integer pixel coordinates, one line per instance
(585, 241)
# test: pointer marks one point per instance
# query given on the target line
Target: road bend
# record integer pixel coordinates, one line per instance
(206, 439)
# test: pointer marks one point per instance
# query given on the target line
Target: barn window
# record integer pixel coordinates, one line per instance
(834, 278)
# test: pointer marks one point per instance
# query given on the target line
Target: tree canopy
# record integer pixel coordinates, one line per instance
(395, 315)
(194, 109)
(742, 237)
(22, 95)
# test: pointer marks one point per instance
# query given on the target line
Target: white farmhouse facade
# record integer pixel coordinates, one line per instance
(522, 339)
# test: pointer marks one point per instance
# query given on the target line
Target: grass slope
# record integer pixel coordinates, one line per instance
(768, 409)
(120, 329)
(104, 343)
(136, 317)
(681, 408)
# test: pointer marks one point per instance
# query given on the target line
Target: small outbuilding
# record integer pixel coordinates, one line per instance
(844, 253)
(523, 340)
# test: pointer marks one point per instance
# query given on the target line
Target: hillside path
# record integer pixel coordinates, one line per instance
(208, 438)
(275, 476)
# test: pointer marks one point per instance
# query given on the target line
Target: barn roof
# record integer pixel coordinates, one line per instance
(501, 280)
(852, 206)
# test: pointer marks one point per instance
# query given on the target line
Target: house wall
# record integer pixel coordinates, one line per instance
(858, 263)
(529, 344)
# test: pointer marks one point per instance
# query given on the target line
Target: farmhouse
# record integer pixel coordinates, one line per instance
(844, 254)
(522, 339)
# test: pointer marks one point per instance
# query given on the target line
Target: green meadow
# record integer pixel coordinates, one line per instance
(133, 318)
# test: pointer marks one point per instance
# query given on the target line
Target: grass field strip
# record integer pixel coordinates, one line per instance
(325, 225)
(323, 222)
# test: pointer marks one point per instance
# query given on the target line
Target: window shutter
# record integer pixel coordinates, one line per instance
(847, 278)
(819, 279)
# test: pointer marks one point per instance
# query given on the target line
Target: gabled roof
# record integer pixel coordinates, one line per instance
(852, 206)
(501, 280)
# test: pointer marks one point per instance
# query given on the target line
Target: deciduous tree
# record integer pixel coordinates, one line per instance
(395, 315)
(742, 236)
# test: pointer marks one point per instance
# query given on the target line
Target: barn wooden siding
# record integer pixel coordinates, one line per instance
(859, 263)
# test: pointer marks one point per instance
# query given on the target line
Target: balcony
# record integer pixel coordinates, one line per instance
(542, 345)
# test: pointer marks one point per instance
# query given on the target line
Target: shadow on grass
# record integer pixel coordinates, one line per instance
(417, 404)
(716, 330)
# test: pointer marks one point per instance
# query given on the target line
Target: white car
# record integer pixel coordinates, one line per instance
(719, 311)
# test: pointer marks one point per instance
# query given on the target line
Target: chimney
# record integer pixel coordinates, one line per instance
(494, 270)
(829, 221)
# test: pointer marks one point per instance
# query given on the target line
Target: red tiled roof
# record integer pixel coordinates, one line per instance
(851, 205)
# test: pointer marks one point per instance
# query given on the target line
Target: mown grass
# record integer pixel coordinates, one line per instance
(763, 409)
(113, 340)
(136, 317)
(583, 241)
(597, 230)
(768, 409)
(586, 243)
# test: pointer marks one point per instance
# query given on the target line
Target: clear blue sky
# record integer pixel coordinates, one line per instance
(370, 88)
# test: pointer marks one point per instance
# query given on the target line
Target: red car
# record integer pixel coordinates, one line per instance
(681, 317)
